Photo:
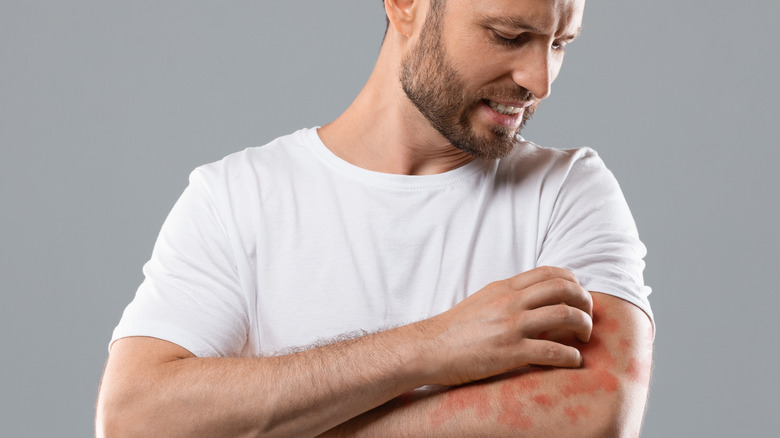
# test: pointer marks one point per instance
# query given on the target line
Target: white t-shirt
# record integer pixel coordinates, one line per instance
(287, 245)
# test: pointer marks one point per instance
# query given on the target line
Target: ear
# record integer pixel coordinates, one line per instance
(402, 15)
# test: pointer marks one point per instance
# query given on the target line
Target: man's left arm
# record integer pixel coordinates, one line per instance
(604, 398)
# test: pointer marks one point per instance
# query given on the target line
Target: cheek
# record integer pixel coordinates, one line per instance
(479, 67)
(480, 76)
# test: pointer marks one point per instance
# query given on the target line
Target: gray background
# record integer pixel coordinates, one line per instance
(106, 106)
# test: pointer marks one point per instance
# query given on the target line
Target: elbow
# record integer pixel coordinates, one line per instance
(114, 419)
(109, 426)
(129, 409)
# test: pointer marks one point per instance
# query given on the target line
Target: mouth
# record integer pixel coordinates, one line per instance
(506, 109)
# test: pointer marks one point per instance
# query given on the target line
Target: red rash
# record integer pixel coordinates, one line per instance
(590, 382)
(512, 415)
(608, 325)
(599, 363)
(604, 325)
(543, 400)
(637, 372)
(639, 367)
(522, 392)
(575, 412)
(513, 392)
(596, 354)
(469, 397)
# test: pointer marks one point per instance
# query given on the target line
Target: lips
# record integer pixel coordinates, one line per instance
(507, 109)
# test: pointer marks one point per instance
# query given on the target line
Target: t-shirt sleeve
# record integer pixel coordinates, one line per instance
(592, 233)
(191, 294)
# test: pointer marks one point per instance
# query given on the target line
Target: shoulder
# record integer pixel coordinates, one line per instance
(254, 168)
(284, 150)
(531, 162)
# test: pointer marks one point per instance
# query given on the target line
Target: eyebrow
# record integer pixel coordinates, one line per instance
(519, 23)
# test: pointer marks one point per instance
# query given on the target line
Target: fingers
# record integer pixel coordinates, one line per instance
(548, 286)
(556, 291)
(540, 274)
(548, 353)
(553, 301)
(556, 318)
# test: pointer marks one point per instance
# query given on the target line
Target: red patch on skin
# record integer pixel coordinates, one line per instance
(596, 354)
(514, 418)
(625, 345)
(512, 413)
(575, 412)
(463, 398)
(638, 372)
(514, 392)
(608, 325)
(604, 324)
(522, 384)
(589, 382)
(543, 400)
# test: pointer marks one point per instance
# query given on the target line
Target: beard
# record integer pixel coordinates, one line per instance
(432, 83)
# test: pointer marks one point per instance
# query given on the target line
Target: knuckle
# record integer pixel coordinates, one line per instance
(500, 285)
(563, 312)
(561, 285)
(547, 271)
(552, 354)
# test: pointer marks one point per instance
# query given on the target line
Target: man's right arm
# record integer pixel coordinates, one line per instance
(155, 388)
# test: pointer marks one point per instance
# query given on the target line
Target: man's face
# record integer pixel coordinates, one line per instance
(480, 68)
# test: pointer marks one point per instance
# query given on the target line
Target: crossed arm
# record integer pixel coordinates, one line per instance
(366, 386)
(604, 398)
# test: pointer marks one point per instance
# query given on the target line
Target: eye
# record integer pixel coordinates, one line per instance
(559, 45)
(507, 39)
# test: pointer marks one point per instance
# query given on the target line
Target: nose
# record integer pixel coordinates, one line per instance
(534, 70)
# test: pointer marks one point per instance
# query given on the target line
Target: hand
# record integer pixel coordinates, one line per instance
(500, 327)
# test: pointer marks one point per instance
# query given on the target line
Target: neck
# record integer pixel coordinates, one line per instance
(382, 131)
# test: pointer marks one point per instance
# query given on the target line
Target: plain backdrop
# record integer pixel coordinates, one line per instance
(106, 106)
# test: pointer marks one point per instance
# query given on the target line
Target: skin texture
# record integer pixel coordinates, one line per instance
(528, 355)
(603, 398)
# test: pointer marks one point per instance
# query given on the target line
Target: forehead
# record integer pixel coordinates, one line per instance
(547, 16)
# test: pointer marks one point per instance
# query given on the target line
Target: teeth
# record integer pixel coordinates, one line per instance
(504, 109)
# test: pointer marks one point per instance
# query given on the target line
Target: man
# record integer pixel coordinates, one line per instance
(384, 275)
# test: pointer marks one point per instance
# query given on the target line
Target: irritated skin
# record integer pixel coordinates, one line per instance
(604, 398)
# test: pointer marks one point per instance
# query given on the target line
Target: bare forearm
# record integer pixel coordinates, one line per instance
(302, 394)
(604, 398)
(517, 406)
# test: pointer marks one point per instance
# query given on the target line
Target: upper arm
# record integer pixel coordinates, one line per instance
(605, 397)
(618, 363)
(192, 294)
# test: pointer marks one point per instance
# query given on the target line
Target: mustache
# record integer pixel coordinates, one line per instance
(514, 94)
